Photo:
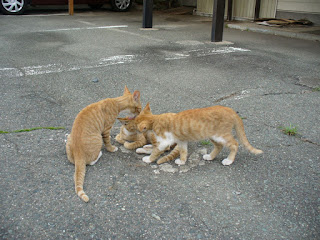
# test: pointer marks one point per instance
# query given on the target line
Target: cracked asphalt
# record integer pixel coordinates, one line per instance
(52, 66)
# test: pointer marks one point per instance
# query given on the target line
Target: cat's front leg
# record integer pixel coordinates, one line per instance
(183, 148)
(107, 142)
(119, 139)
(154, 155)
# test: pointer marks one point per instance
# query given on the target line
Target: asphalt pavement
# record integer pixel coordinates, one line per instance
(52, 65)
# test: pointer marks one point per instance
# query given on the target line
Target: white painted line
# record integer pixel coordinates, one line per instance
(138, 35)
(115, 60)
(10, 72)
(86, 28)
(205, 52)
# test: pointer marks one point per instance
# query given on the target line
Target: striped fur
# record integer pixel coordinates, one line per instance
(131, 138)
(91, 129)
(215, 123)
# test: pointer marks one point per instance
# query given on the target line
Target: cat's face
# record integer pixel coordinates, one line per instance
(129, 124)
(144, 126)
(144, 120)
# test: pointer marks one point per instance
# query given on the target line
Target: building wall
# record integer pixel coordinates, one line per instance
(268, 8)
(299, 9)
(244, 9)
(309, 6)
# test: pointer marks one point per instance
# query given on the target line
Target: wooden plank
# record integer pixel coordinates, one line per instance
(71, 7)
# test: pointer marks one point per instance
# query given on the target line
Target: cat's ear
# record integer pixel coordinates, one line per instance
(124, 120)
(136, 96)
(147, 109)
(126, 90)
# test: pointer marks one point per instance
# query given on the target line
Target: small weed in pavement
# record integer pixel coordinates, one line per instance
(291, 130)
(317, 89)
(205, 142)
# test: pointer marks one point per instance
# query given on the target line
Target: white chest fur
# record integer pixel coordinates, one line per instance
(168, 140)
(127, 133)
(218, 139)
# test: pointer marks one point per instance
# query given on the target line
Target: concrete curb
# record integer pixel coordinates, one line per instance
(305, 36)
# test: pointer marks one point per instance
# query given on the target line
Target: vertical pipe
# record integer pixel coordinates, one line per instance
(217, 20)
(257, 9)
(147, 13)
(230, 5)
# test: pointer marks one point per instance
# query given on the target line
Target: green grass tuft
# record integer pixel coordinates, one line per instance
(32, 129)
(205, 142)
(317, 89)
(291, 130)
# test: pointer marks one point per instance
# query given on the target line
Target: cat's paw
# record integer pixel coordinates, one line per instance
(146, 159)
(66, 137)
(92, 163)
(112, 149)
(141, 150)
(119, 139)
(128, 145)
(227, 162)
(179, 162)
(148, 146)
(207, 157)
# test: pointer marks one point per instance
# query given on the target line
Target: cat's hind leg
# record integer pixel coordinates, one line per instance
(233, 145)
(216, 150)
(94, 162)
(68, 149)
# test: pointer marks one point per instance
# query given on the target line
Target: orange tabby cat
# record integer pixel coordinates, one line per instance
(215, 123)
(129, 136)
(129, 132)
(91, 128)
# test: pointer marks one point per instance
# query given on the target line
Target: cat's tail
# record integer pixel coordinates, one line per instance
(172, 155)
(243, 138)
(80, 172)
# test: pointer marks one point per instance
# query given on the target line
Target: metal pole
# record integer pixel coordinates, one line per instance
(257, 10)
(147, 13)
(230, 5)
(217, 20)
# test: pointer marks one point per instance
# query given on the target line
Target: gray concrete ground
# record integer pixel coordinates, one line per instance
(52, 66)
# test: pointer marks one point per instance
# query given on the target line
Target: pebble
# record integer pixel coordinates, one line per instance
(168, 168)
(124, 150)
(184, 169)
(203, 151)
(156, 217)
(201, 163)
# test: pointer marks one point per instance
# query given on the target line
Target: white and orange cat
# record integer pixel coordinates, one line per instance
(91, 128)
(131, 138)
(215, 123)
